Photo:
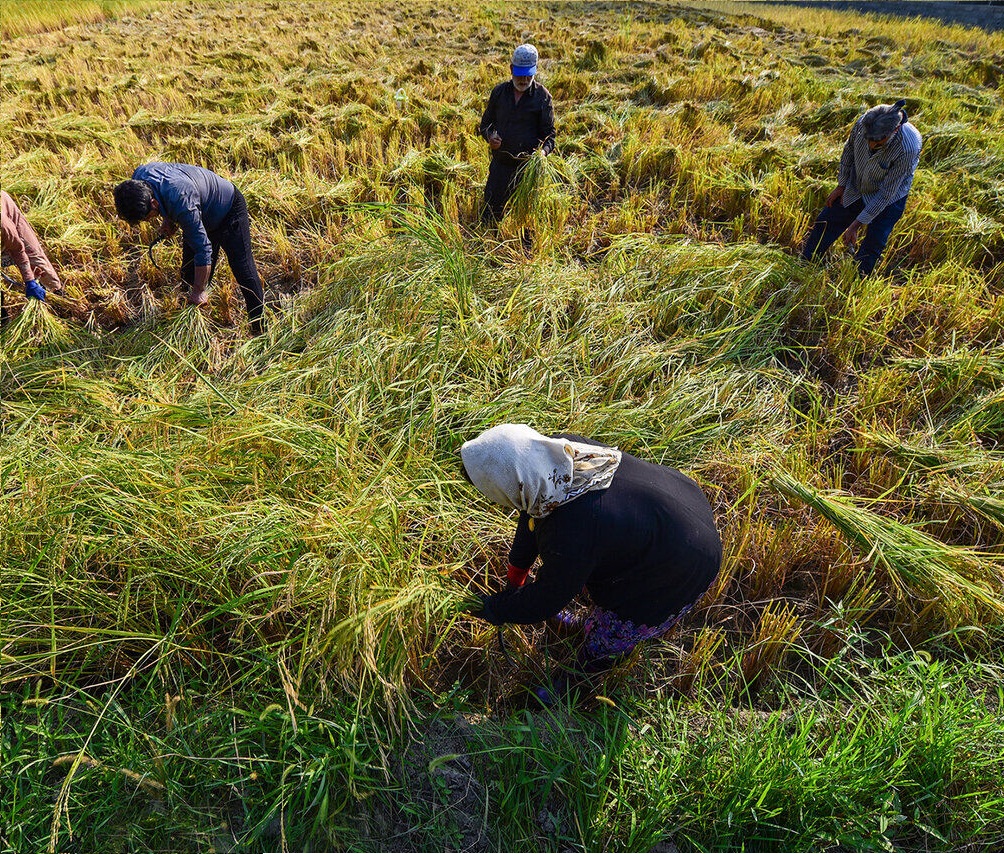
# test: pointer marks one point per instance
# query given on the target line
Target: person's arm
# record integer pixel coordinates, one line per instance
(846, 171)
(189, 220)
(182, 210)
(567, 561)
(545, 131)
(14, 247)
(488, 129)
(523, 553)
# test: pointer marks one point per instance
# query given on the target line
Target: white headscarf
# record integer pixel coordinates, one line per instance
(517, 467)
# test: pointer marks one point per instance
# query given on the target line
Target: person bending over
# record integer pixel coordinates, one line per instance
(874, 179)
(639, 537)
(211, 213)
(22, 246)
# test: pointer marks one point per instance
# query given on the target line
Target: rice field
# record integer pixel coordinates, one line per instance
(235, 570)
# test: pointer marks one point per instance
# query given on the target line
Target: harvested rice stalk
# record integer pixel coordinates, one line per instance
(191, 336)
(35, 329)
(927, 576)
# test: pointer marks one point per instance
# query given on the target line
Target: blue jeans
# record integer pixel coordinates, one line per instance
(832, 222)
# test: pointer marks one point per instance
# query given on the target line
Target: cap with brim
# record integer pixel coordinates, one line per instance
(524, 71)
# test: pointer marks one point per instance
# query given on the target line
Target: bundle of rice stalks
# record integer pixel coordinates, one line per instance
(191, 341)
(985, 419)
(940, 456)
(539, 198)
(962, 367)
(989, 507)
(929, 578)
(36, 330)
(776, 631)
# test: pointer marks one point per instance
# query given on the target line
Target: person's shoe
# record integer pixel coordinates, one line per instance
(553, 692)
(570, 619)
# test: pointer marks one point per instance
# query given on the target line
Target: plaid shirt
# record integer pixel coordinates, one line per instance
(881, 177)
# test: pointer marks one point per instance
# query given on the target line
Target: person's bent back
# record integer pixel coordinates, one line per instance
(211, 213)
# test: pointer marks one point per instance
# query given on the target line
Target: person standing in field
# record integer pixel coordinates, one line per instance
(874, 179)
(211, 213)
(518, 120)
(22, 246)
(639, 537)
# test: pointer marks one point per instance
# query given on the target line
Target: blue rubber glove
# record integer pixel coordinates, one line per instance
(33, 290)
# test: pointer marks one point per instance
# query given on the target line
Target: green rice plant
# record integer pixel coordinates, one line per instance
(929, 579)
(32, 16)
(442, 238)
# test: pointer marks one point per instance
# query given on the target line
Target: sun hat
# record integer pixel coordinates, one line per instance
(524, 61)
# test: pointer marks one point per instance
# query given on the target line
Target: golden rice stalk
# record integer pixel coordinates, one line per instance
(35, 329)
(776, 631)
(190, 341)
(118, 310)
(928, 576)
(697, 663)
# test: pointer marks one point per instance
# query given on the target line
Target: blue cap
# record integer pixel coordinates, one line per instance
(524, 61)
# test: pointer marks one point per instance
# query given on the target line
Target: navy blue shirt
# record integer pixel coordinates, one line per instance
(644, 548)
(523, 126)
(195, 198)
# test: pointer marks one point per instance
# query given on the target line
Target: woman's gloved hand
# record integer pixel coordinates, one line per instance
(33, 290)
(484, 612)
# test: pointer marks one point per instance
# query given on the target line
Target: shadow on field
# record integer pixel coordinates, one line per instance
(547, 766)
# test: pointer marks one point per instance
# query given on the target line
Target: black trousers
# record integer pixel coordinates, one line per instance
(832, 222)
(233, 236)
(503, 176)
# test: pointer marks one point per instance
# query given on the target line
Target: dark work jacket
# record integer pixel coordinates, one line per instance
(195, 198)
(523, 126)
(643, 548)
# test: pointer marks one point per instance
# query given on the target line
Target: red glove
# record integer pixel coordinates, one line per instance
(516, 576)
